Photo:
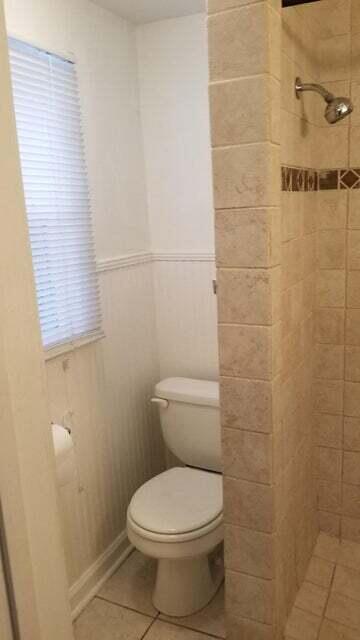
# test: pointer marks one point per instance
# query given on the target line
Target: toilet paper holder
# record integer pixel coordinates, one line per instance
(63, 426)
(66, 421)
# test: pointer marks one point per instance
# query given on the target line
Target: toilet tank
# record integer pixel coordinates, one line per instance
(190, 422)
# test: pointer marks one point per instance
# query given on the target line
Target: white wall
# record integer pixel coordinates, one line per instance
(106, 385)
(173, 75)
(186, 319)
(104, 47)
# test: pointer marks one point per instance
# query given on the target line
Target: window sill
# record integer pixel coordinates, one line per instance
(72, 346)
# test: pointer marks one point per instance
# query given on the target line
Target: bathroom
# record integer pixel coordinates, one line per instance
(225, 244)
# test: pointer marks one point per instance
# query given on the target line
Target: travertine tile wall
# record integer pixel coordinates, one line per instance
(289, 301)
(295, 487)
(337, 391)
(244, 50)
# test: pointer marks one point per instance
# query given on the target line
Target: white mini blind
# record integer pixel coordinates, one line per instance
(56, 193)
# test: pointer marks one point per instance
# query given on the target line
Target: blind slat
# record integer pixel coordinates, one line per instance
(56, 193)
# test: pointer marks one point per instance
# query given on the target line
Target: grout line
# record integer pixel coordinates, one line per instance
(262, 74)
(329, 594)
(245, 573)
(269, 484)
(148, 629)
(347, 271)
(180, 626)
(250, 431)
(124, 606)
(265, 268)
(344, 596)
(342, 624)
(259, 208)
(245, 145)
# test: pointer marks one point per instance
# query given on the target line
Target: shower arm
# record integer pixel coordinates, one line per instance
(300, 87)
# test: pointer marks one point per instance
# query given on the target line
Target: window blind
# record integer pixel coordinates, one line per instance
(54, 176)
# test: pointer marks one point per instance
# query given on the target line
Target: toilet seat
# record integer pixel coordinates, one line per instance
(190, 536)
(177, 505)
(177, 518)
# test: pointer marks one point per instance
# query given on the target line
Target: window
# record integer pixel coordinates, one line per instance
(56, 193)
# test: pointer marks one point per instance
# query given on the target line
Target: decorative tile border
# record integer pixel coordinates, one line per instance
(296, 179)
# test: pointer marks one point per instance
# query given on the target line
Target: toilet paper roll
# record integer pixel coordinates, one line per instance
(64, 454)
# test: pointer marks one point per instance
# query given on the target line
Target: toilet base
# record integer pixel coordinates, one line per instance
(186, 585)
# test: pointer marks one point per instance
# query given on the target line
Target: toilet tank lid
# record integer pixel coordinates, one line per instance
(187, 390)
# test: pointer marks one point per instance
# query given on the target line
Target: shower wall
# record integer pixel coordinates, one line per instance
(289, 315)
(266, 259)
(337, 388)
(295, 487)
(333, 152)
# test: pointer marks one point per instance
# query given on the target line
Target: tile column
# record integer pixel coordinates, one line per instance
(244, 53)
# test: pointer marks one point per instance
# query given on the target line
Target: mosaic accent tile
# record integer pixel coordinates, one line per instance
(297, 179)
(286, 179)
(349, 179)
(328, 179)
(311, 180)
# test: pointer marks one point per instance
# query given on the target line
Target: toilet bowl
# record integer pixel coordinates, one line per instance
(177, 517)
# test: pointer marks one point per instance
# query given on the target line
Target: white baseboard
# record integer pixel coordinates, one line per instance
(91, 581)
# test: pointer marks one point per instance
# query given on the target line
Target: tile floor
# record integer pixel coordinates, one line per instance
(123, 610)
(327, 606)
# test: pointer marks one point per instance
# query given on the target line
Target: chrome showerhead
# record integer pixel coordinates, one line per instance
(337, 108)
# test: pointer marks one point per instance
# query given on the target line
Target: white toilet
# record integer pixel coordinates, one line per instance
(177, 517)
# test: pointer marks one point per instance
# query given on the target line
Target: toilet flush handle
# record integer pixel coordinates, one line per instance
(161, 402)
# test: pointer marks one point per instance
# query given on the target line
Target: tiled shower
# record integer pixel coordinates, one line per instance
(288, 255)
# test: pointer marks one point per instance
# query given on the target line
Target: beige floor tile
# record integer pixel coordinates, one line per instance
(105, 621)
(243, 628)
(349, 555)
(302, 625)
(209, 620)
(163, 631)
(311, 598)
(334, 631)
(334, 566)
(327, 547)
(132, 585)
(320, 572)
(347, 582)
(343, 610)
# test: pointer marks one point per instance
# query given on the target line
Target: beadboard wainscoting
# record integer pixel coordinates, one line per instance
(159, 319)
(103, 389)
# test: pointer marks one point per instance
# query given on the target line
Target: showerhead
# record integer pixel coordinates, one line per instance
(337, 108)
